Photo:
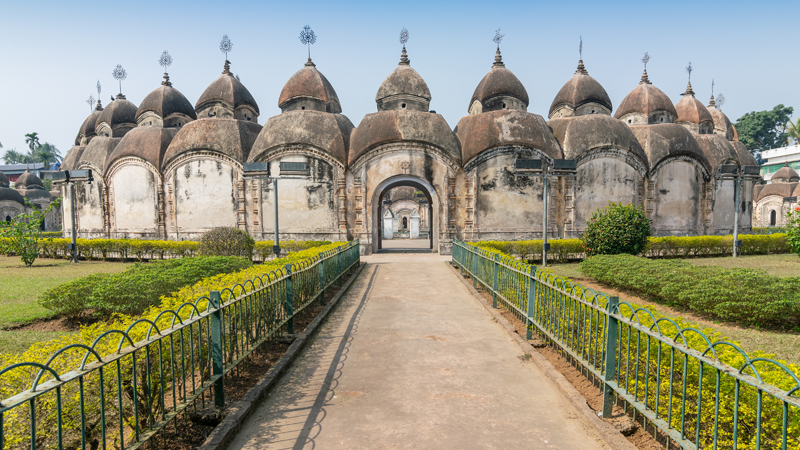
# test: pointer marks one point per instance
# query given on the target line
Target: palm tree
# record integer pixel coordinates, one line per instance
(14, 157)
(32, 139)
(793, 130)
(46, 153)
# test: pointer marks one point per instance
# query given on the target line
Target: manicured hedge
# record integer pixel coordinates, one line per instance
(143, 250)
(744, 296)
(563, 250)
(137, 288)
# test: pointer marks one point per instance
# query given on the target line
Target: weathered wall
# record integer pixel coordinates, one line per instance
(306, 205)
(134, 202)
(723, 209)
(204, 197)
(90, 208)
(9, 209)
(600, 181)
(678, 200)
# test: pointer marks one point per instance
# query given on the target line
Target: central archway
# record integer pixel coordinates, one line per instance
(433, 209)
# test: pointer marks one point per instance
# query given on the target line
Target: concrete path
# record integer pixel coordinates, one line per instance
(409, 360)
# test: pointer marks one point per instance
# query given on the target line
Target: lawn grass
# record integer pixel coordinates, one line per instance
(785, 346)
(20, 286)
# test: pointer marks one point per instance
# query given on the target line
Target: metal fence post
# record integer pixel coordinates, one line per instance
(339, 267)
(496, 272)
(474, 267)
(289, 301)
(322, 279)
(215, 322)
(531, 301)
(611, 357)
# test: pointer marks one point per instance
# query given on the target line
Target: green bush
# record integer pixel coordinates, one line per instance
(745, 296)
(616, 229)
(71, 299)
(561, 250)
(137, 288)
(793, 230)
(227, 241)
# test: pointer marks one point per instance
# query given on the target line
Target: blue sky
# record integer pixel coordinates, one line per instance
(55, 52)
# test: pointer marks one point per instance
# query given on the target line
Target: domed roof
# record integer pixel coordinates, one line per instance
(96, 153)
(581, 89)
(118, 112)
(230, 137)
(664, 140)
(148, 143)
(717, 149)
(779, 189)
(389, 126)
(28, 180)
(579, 135)
(9, 194)
(480, 132)
(165, 101)
(690, 109)
(229, 90)
(4, 183)
(37, 194)
(499, 81)
(745, 157)
(403, 81)
(72, 156)
(722, 125)
(645, 99)
(311, 83)
(88, 127)
(785, 175)
(324, 131)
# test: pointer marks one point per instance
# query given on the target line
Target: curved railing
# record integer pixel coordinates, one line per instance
(696, 391)
(129, 384)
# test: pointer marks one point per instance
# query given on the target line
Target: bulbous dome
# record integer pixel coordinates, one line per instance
(785, 175)
(580, 90)
(29, 180)
(8, 194)
(147, 143)
(117, 118)
(309, 89)
(481, 132)
(227, 97)
(499, 89)
(691, 111)
(646, 104)
(327, 132)
(87, 130)
(233, 138)
(579, 135)
(96, 153)
(165, 102)
(780, 189)
(661, 141)
(722, 125)
(404, 88)
(4, 183)
(718, 150)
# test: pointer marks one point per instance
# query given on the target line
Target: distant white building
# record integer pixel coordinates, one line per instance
(776, 158)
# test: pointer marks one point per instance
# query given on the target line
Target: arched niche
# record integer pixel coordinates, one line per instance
(397, 181)
(677, 199)
(133, 190)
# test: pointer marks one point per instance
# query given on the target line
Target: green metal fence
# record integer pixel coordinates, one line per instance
(685, 387)
(121, 397)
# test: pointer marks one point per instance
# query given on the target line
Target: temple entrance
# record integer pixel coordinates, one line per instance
(405, 220)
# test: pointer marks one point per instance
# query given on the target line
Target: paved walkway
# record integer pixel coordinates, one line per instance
(409, 361)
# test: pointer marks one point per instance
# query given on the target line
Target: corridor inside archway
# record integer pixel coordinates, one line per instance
(405, 219)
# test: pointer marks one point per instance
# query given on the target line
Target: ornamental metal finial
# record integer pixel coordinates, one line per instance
(308, 38)
(646, 59)
(689, 71)
(225, 45)
(712, 87)
(720, 100)
(403, 37)
(119, 74)
(580, 49)
(90, 101)
(498, 37)
(98, 89)
(165, 61)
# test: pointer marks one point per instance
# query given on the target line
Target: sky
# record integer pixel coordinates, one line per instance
(54, 52)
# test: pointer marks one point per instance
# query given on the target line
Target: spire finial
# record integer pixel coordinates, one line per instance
(99, 106)
(90, 102)
(581, 67)
(498, 58)
(225, 45)
(645, 60)
(403, 39)
(580, 49)
(165, 61)
(689, 90)
(308, 38)
(712, 102)
(119, 74)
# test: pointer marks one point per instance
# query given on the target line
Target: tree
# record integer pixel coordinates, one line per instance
(32, 139)
(793, 130)
(616, 229)
(45, 154)
(14, 157)
(38, 153)
(22, 234)
(764, 130)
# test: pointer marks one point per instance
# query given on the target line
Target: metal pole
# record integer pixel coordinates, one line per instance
(737, 184)
(217, 363)
(73, 218)
(611, 357)
(276, 248)
(544, 220)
